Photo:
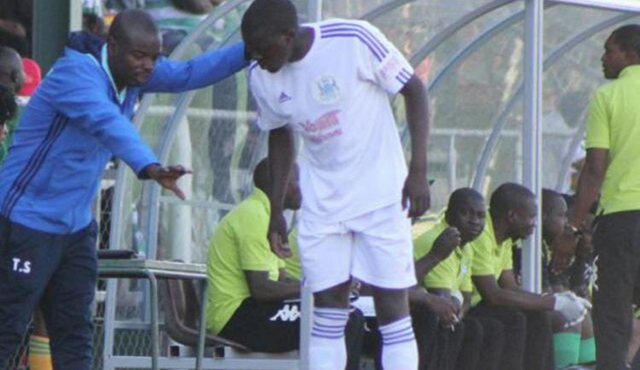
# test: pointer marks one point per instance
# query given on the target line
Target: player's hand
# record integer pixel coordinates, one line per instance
(444, 308)
(564, 247)
(168, 177)
(573, 308)
(415, 194)
(277, 235)
(446, 243)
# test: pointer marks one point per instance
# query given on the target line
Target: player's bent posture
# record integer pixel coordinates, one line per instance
(330, 82)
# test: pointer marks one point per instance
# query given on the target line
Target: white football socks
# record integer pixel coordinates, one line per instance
(399, 348)
(327, 347)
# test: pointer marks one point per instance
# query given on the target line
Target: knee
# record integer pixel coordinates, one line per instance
(391, 304)
(473, 331)
(540, 321)
(334, 297)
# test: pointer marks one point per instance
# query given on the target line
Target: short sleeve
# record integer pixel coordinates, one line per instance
(598, 122)
(482, 262)
(268, 118)
(442, 276)
(507, 257)
(379, 61)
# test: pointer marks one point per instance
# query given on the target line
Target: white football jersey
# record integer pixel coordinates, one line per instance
(337, 98)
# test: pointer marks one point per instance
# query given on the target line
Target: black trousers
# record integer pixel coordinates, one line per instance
(57, 271)
(528, 337)
(275, 328)
(616, 241)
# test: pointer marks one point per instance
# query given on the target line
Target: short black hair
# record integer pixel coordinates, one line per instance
(8, 105)
(132, 22)
(508, 197)
(627, 38)
(548, 198)
(269, 17)
(461, 196)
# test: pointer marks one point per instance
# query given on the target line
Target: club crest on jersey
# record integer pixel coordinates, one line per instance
(326, 90)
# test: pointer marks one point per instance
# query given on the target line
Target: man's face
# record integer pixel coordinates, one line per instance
(614, 59)
(271, 51)
(132, 61)
(469, 219)
(522, 220)
(554, 220)
(293, 197)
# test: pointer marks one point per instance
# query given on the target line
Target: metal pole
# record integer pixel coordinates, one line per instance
(532, 135)
(314, 10)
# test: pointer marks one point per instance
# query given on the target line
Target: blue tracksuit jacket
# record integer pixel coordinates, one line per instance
(74, 123)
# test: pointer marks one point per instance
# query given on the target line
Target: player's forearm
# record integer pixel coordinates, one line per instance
(520, 299)
(589, 184)
(416, 104)
(281, 153)
(425, 264)
(274, 291)
(588, 188)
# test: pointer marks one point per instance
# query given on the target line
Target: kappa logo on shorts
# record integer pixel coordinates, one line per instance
(286, 313)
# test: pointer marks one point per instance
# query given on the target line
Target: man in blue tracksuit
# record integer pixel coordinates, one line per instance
(78, 118)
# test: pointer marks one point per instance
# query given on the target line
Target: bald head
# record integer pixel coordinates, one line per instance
(269, 17)
(132, 24)
(133, 46)
(11, 72)
(509, 197)
(461, 197)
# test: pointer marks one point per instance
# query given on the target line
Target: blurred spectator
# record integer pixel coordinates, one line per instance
(11, 72)
(177, 18)
(94, 24)
(15, 25)
(32, 77)
(8, 108)
(11, 79)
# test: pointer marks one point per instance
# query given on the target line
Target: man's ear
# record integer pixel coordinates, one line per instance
(112, 46)
(289, 34)
(511, 216)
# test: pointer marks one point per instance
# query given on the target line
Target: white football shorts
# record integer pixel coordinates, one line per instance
(375, 248)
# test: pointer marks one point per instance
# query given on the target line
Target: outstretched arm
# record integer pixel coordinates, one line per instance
(415, 193)
(203, 70)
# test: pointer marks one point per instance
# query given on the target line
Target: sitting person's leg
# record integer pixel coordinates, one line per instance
(492, 343)
(515, 328)
(539, 344)
(275, 327)
(587, 342)
(472, 338)
(425, 327)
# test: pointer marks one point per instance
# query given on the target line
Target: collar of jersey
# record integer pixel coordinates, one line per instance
(105, 65)
(632, 70)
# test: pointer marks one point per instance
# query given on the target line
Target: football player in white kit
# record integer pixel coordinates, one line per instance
(330, 82)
